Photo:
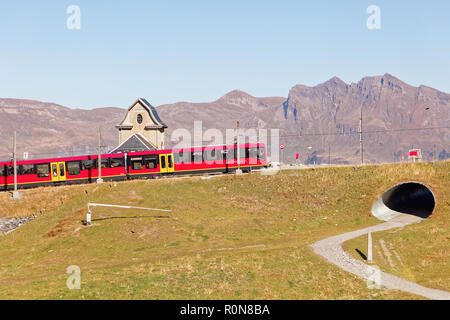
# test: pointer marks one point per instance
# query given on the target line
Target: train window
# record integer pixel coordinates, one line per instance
(10, 170)
(151, 162)
(196, 156)
(87, 164)
(43, 170)
(261, 153)
(178, 157)
(163, 162)
(27, 169)
(73, 168)
(217, 155)
(2, 171)
(228, 154)
(253, 153)
(117, 162)
(54, 170)
(136, 164)
(182, 157)
(170, 161)
(105, 163)
(62, 172)
(210, 155)
(243, 153)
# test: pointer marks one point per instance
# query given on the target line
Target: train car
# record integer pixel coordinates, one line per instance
(69, 170)
(121, 166)
(221, 159)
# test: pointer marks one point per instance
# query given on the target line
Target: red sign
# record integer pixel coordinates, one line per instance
(297, 155)
(414, 153)
(281, 146)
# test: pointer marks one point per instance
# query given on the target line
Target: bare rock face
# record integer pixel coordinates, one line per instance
(320, 122)
(387, 104)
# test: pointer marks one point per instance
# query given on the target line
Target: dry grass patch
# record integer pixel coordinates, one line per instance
(227, 238)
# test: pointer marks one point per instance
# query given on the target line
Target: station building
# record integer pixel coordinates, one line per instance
(141, 129)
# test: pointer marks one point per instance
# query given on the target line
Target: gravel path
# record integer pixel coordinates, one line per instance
(331, 249)
(8, 225)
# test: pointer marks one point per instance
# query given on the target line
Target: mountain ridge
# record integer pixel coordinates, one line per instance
(333, 106)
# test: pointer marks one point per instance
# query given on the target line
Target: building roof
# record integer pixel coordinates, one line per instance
(151, 110)
(135, 142)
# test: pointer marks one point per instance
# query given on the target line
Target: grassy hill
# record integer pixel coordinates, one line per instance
(227, 237)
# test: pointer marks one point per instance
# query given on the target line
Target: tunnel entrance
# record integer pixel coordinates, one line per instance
(411, 198)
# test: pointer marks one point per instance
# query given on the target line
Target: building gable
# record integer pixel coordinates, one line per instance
(150, 117)
(143, 121)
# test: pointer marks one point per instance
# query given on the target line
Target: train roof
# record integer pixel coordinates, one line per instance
(117, 155)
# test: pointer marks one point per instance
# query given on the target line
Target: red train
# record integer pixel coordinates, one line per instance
(132, 165)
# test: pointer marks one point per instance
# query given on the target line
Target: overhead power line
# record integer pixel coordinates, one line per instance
(82, 151)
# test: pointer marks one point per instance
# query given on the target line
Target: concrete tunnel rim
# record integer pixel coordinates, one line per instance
(389, 213)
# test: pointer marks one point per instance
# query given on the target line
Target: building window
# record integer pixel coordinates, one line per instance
(139, 118)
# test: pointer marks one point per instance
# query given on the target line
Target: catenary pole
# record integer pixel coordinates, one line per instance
(361, 148)
(99, 160)
(238, 153)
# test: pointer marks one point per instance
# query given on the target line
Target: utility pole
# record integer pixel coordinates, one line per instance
(361, 149)
(99, 160)
(16, 194)
(369, 247)
(434, 154)
(238, 154)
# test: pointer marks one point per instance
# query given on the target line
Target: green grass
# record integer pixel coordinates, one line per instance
(227, 238)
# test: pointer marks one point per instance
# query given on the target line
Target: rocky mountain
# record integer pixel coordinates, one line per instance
(221, 114)
(320, 122)
(48, 129)
(391, 111)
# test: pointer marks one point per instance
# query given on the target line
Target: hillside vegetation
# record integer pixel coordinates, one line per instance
(227, 237)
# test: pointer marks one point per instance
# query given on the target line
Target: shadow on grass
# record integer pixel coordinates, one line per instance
(133, 217)
(361, 254)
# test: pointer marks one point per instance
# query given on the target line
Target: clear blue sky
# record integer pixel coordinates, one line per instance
(169, 51)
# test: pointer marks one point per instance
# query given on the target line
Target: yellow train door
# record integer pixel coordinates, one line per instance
(58, 171)
(166, 163)
(170, 167)
(162, 163)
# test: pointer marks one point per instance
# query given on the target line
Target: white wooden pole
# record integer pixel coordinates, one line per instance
(369, 247)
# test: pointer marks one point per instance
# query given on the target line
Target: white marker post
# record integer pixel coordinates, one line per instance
(89, 213)
(369, 247)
